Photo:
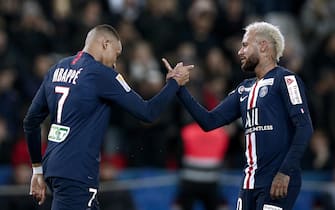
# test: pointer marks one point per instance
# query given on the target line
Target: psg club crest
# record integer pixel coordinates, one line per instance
(263, 91)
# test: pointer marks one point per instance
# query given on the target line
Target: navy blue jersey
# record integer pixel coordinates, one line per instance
(76, 93)
(276, 119)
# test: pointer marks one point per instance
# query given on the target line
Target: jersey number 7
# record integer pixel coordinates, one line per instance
(65, 92)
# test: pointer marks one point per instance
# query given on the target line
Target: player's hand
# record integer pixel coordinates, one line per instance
(170, 73)
(38, 188)
(180, 72)
(279, 186)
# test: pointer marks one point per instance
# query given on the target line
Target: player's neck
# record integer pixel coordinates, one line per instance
(92, 52)
(263, 68)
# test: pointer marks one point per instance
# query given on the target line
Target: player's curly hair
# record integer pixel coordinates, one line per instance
(272, 33)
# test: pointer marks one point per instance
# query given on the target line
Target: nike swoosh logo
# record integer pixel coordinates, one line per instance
(243, 98)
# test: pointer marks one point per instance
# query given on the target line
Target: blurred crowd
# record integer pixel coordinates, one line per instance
(34, 34)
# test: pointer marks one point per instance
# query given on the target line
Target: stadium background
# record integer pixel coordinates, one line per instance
(140, 162)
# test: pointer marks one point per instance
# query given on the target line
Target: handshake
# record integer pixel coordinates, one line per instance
(180, 73)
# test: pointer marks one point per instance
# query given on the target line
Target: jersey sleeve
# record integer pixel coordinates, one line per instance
(293, 93)
(36, 114)
(114, 88)
(224, 113)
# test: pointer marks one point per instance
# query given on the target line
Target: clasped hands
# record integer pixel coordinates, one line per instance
(180, 72)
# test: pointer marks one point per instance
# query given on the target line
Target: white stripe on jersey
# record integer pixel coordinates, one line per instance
(253, 95)
(251, 155)
(265, 82)
(250, 151)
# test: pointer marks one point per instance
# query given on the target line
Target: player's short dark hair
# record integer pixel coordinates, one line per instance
(109, 29)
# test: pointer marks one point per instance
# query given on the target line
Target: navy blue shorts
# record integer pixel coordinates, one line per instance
(70, 194)
(259, 199)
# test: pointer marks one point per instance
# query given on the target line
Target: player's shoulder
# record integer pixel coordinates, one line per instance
(66, 60)
(107, 76)
(286, 75)
(103, 72)
(282, 72)
(104, 68)
(244, 86)
(61, 63)
(247, 82)
(58, 64)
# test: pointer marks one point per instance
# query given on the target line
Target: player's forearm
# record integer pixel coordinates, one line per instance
(300, 141)
(200, 114)
(157, 104)
(32, 132)
(33, 139)
(148, 111)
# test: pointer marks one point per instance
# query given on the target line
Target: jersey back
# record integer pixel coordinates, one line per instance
(79, 118)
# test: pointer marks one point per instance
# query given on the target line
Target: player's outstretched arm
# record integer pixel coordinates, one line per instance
(224, 113)
(114, 88)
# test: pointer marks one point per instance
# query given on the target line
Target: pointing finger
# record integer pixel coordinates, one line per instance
(190, 66)
(167, 64)
(179, 64)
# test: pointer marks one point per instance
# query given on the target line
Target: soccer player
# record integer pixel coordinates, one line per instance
(75, 93)
(275, 115)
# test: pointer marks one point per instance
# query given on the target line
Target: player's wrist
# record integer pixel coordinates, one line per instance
(37, 169)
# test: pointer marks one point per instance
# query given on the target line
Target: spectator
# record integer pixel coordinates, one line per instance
(20, 162)
(34, 31)
(5, 143)
(126, 10)
(116, 200)
(145, 68)
(130, 37)
(202, 163)
(7, 52)
(41, 64)
(317, 18)
(231, 18)
(148, 144)
(321, 75)
(201, 19)
(318, 156)
(61, 16)
(159, 24)
(9, 100)
(90, 14)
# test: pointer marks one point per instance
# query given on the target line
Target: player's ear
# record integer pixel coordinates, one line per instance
(264, 44)
(105, 44)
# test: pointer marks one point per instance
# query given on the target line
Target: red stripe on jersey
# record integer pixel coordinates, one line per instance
(252, 96)
(251, 160)
(78, 56)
